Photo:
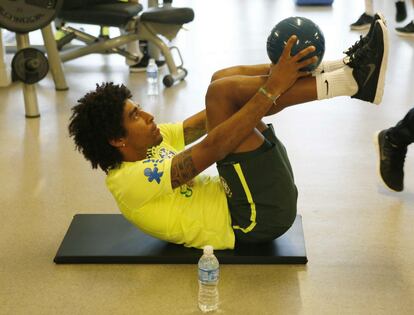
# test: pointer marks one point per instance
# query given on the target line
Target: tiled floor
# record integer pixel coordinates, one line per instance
(359, 236)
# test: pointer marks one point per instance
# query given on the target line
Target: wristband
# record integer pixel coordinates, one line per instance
(273, 98)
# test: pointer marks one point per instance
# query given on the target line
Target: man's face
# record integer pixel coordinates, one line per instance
(141, 130)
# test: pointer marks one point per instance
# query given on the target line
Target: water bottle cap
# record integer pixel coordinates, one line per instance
(151, 61)
(208, 250)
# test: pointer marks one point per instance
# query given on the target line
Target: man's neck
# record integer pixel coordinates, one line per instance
(130, 155)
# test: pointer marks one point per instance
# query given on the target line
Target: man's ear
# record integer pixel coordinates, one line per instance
(117, 143)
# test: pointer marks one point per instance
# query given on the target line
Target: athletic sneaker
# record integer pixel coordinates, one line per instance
(369, 64)
(407, 30)
(401, 11)
(365, 39)
(391, 161)
(363, 22)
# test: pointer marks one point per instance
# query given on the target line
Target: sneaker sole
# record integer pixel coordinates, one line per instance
(404, 34)
(381, 79)
(360, 27)
(376, 143)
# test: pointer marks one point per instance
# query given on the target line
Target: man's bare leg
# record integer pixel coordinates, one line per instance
(228, 94)
(249, 70)
(250, 87)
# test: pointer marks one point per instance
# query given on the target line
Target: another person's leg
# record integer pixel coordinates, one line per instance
(402, 134)
(392, 149)
(400, 10)
(407, 30)
(366, 18)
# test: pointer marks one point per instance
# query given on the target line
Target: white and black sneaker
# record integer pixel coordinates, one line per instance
(369, 64)
(363, 22)
(365, 39)
(407, 30)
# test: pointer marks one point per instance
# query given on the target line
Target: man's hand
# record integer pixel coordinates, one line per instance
(285, 73)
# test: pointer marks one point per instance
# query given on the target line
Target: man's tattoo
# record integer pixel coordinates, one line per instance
(191, 134)
(182, 169)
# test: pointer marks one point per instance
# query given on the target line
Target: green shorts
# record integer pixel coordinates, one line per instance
(260, 189)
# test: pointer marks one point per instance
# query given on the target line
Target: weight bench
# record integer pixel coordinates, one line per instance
(152, 25)
(111, 239)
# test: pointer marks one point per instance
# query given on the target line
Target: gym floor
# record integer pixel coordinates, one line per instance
(359, 236)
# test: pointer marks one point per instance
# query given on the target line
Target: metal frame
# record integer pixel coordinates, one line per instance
(135, 30)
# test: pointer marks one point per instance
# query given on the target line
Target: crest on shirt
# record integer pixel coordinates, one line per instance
(161, 152)
(226, 187)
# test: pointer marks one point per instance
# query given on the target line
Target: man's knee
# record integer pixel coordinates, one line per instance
(221, 90)
(226, 72)
(220, 104)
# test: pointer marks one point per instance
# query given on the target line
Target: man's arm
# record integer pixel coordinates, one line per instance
(194, 127)
(228, 135)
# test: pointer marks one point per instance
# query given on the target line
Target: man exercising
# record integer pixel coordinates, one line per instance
(156, 181)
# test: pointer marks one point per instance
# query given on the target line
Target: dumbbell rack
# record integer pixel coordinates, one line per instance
(29, 90)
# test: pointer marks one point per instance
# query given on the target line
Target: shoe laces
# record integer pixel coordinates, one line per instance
(361, 55)
(357, 44)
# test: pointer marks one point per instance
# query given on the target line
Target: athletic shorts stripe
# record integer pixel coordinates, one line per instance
(249, 197)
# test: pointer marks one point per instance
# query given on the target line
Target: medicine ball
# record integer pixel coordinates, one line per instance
(308, 34)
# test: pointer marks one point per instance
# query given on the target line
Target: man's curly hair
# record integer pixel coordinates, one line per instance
(96, 119)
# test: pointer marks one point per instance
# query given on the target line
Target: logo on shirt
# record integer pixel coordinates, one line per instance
(186, 191)
(226, 187)
(153, 173)
(166, 154)
(161, 152)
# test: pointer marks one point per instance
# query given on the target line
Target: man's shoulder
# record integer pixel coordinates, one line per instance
(171, 127)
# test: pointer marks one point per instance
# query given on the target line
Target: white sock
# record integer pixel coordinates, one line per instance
(330, 65)
(369, 7)
(336, 83)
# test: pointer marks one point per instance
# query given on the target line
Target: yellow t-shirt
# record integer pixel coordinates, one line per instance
(194, 215)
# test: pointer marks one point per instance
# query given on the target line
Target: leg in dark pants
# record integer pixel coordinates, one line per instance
(403, 133)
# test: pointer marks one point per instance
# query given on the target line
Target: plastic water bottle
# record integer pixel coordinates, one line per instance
(152, 77)
(208, 276)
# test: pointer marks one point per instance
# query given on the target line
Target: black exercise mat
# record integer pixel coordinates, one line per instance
(111, 239)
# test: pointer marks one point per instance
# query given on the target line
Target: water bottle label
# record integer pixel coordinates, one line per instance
(152, 74)
(208, 275)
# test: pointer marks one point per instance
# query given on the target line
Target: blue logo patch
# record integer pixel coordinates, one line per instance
(153, 174)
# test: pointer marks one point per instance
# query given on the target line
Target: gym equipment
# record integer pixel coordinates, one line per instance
(155, 25)
(307, 32)
(5, 78)
(111, 239)
(23, 16)
(314, 2)
(29, 65)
